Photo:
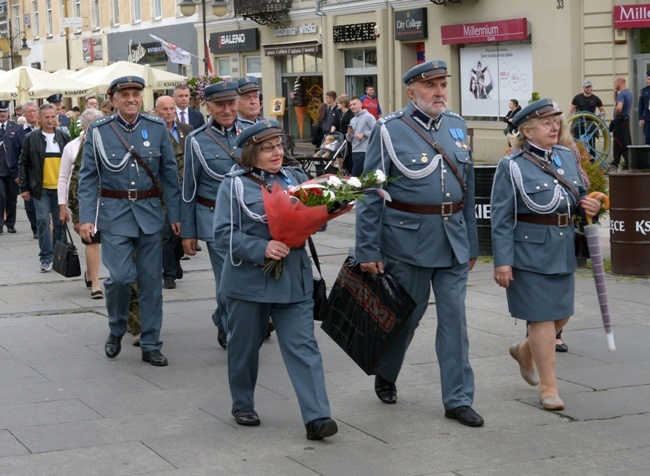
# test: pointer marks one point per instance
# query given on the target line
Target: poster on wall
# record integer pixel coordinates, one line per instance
(492, 75)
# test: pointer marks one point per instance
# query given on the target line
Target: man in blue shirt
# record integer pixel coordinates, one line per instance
(621, 125)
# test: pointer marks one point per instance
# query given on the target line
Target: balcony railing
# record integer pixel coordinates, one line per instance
(263, 11)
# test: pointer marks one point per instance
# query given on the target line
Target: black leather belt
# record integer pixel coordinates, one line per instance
(206, 202)
(445, 209)
(562, 220)
(131, 194)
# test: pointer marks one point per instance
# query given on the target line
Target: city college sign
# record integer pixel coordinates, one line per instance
(632, 16)
(236, 40)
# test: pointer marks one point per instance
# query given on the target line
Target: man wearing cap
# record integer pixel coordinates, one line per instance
(38, 174)
(8, 170)
(248, 104)
(56, 100)
(426, 236)
(126, 157)
(172, 247)
(644, 109)
(210, 153)
(185, 114)
(587, 102)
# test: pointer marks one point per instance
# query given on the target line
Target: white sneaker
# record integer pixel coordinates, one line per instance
(45, 267)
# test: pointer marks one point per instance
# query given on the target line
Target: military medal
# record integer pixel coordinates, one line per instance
(424, 158)
(456, 136)
(145, 136)
(560, 171)
(462, 139)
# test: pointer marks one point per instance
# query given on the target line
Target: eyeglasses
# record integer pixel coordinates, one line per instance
(270, 147)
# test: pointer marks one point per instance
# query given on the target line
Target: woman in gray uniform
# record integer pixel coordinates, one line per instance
(241, 230)
(537, 191)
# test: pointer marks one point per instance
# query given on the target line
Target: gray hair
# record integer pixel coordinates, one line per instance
(89, 115)
(30, 103)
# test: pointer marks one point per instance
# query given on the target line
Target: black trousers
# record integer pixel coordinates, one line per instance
(8, 196)
(622, 139)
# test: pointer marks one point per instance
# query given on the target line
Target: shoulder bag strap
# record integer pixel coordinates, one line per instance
(528, 156)
(214, 137)
(135, 154)
(440, 150)
(314, 255)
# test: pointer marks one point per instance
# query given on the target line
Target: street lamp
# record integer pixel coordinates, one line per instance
(7, 44)
(219, 9)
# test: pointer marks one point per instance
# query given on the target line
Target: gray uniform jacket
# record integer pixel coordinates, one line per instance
(244, 241)
(533, 247)
(421, 240)
(206, 164)
(120, 216)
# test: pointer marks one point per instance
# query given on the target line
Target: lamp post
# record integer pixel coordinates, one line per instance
(7, 44)
(219, 8)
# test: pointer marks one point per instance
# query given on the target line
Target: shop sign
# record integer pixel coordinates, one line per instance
(356, 32)
(632, 16)
(235, 40)
(411, 24)
(293, 30)
(146, 53)
(293, 49)
(91, 49)
(485, 32)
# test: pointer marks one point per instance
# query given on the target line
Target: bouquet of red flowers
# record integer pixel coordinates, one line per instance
(295, 214)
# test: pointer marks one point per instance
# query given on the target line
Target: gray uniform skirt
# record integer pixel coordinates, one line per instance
(541, 297)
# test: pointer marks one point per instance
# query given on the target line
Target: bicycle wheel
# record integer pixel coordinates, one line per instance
(594, 134)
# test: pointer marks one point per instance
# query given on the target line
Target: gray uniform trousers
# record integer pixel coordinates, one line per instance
(117, 256)
(294, 326)
(452, 345)
(216, 260)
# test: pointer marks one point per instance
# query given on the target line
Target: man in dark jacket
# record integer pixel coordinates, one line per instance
(38, 174)
(31, 114)
(8, 170)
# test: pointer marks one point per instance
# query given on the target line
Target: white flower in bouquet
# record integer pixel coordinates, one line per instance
(380, 176)
(334, 181)
(354, 182)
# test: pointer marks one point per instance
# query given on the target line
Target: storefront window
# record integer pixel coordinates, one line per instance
(223, 67)
(253, 64)
(303, 63)
(361, 58)
(644, 37)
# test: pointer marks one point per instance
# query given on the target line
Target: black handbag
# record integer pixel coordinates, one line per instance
(320, 288)
(66, 257)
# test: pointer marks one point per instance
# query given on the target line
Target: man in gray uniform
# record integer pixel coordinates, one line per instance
(210, 153)
(248, 104)
(125, 157)
(426, 236)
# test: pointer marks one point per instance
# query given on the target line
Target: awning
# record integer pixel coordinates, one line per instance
(292, 48)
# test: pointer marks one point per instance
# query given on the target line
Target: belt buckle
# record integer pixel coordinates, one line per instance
(563, 220)
(446, 208)
(132, 194)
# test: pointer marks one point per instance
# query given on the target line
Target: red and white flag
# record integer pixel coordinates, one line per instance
(174, 53)
(208, 60)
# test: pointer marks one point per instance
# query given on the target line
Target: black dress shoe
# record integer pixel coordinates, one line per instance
(245, 418)
(11, 229)
(465, 416)
(113, 346)
(179, 271)
(155, 357)
(321, 428)
(385, 390)
(222, 339)
(169, 284)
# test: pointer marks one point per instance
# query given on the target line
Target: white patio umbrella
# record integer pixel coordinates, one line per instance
(154, 79)
(24, 83)
(83, 72)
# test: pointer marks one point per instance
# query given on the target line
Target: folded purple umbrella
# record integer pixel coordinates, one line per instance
(593, 242)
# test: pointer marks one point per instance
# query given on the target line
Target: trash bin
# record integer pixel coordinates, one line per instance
(639, 157)
(630, 223)
(483, 180)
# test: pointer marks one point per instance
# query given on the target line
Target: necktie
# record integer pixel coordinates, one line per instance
(3, 129)
(183, 121)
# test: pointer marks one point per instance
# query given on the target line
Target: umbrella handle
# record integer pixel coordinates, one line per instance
(603, 198)
(611, 346)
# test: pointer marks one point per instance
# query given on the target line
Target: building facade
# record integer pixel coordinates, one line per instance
(496, 50)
